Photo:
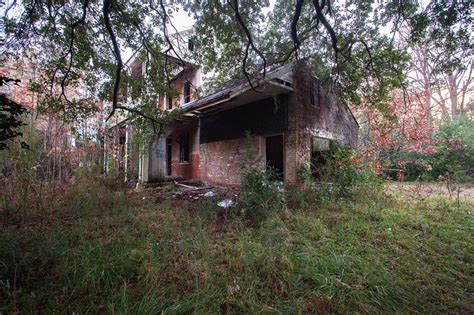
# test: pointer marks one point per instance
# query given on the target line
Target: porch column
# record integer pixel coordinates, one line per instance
(143, 164)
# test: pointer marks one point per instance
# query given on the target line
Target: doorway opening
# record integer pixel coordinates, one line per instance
(169, 156)
(274, 155)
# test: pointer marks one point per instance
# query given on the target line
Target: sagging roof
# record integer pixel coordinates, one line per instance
(276, 82)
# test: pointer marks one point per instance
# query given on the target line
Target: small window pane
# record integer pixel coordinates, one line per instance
(320, 144)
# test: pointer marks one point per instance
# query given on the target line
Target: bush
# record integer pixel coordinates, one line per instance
(261, 195)
(454, 156)
(341, 176)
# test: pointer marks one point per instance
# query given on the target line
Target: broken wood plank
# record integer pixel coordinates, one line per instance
(190, 187)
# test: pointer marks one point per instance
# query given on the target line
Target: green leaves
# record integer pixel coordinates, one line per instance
(354, 53)
(10, 116)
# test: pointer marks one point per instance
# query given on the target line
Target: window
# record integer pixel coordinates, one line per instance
(319, 156)
(170, 103)
(137, 80)
(187, 92)
(320, 144)
(190, 44)
(184, 148)
(314, 94)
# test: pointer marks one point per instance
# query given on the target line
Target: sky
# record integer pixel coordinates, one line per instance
(182, 20)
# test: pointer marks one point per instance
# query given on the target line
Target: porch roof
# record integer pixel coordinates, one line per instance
(277, 81)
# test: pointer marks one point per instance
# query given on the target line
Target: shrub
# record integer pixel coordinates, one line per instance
(453, 156)
(341, 176)
(261, 195)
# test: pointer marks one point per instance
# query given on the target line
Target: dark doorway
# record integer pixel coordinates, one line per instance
(274, 154)
(169, 148)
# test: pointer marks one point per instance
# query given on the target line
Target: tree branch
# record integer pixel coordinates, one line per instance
(117, 54)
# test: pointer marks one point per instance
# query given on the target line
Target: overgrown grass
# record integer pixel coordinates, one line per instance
(110, 251)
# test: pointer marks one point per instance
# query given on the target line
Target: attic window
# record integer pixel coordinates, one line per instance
(187, 92)
(190, 44)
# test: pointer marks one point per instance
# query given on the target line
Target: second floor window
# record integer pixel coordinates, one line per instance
(187, 92)
(314, 94)
(170, 103)
(136, 81)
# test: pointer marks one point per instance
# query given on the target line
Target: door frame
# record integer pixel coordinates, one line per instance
(283, 135)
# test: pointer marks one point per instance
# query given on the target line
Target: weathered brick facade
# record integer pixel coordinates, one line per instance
(189, 169)
(311, 114)
(222, 161)
(323, 116)
(298, 112)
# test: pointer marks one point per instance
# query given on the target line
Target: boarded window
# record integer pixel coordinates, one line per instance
(320, 144)
(187, 92)
(184, 148)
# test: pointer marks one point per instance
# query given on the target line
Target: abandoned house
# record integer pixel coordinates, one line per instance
(281, 122)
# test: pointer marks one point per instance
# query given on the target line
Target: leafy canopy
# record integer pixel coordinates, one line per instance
(351, 44)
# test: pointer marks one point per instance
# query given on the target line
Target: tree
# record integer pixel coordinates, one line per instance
(10, 115)
(441, 49)
(82, 43)
(406, 130)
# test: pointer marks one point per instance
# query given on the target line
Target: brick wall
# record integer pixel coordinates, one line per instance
(178, 84)
(187, 170)
(291, 143)
(325, 117)
(222, 161)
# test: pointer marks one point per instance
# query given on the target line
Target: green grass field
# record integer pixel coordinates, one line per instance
(102, 251)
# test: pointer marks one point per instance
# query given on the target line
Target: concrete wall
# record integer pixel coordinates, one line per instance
(157, 159)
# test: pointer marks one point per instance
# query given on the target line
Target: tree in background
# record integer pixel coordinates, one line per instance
(438, 89)
(10, 115)
(82, 44)
(441, 46)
